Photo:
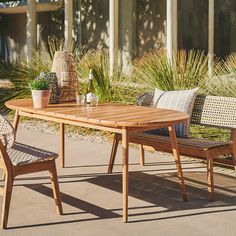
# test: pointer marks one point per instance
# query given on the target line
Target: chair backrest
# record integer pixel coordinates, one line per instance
(145, 99)
(7, 133)
(212, 111)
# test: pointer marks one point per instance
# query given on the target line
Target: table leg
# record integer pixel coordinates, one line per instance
(141, 155)
(113, 153)
(62, 142)
(125, 157)
(16, 120)
(177, 160)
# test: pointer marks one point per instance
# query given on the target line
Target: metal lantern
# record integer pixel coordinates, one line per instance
(64, 67)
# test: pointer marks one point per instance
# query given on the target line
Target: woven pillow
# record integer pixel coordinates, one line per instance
(180, 100)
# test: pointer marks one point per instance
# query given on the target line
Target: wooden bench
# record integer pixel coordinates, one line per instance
(211, 111)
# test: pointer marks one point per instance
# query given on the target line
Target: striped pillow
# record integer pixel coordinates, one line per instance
(180, 100)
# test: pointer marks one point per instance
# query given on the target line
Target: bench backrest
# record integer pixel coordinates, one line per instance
(214, 111)
(208, 110)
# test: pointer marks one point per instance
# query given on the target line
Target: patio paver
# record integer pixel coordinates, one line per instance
(92, 199)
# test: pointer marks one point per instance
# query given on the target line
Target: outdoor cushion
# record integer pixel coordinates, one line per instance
(21, 154)
(180, 100)
(197, 143)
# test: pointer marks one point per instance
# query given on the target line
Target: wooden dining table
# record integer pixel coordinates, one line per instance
(112, 117)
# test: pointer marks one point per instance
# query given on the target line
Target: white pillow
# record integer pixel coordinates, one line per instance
(179, 100)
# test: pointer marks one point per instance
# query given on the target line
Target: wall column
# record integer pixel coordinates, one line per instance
(68, 24)
(113, 32)
(211, 20)
(172, 30)
(127, 33)
(77, 32)
(31, 28)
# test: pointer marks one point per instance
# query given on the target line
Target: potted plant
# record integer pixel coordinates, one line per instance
(40, 88)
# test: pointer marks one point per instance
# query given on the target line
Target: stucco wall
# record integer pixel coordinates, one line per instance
(148, 28)
(15, 32)
(16, 35)
(151, 25)
(193, 24)
(225, 27)
(95, 23)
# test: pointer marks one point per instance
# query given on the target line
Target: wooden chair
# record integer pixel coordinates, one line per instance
(213, 111)
(18, 159)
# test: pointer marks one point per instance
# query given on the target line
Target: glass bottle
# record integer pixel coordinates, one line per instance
(90, 87)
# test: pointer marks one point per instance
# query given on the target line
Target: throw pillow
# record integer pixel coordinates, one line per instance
(179, 100)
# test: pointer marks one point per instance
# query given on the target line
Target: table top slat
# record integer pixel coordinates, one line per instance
(107, 114)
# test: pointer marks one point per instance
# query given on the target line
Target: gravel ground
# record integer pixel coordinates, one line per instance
(46, 127)
(98, 137)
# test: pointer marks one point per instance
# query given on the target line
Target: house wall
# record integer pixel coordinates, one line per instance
(193, 24)
(151, 25)
(225, 27)
(148, 28)
(95, 23)
(49, 23)
(16, 35)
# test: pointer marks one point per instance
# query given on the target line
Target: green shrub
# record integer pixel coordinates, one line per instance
(20, 73)
(210, 133)
(223, 79)
(39, 84)
(115, 89)
(187, 70)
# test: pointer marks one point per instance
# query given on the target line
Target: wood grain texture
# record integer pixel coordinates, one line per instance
(118, 118)
(113, 153)
(16, 120)
(11, 171)
(141, 155)
(108, 114)
(62, 144)
(125, 172)
(197, 148)
(175, 151)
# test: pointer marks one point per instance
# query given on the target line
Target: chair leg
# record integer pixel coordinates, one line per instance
(234, 159)
(234, 149)
(56, 191)
(141, 154)
(16, 120)
(113, 153)
(210, 177)
(6, 200)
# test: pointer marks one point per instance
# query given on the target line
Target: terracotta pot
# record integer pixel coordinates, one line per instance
(40, 98)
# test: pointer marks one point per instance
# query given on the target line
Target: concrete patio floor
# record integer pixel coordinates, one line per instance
(92, 199)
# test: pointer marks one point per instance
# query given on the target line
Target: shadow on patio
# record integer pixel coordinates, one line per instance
(159, 190)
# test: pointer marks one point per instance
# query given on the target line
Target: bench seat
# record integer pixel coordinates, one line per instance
(197, 143)
(211, 111)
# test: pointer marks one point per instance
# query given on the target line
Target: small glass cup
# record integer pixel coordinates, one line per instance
(80, 99)
(94, 101)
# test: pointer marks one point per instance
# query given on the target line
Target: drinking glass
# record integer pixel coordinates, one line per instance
(80, 99)
(94, 101)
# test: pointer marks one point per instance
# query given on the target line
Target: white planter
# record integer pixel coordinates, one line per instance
(40, 98)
